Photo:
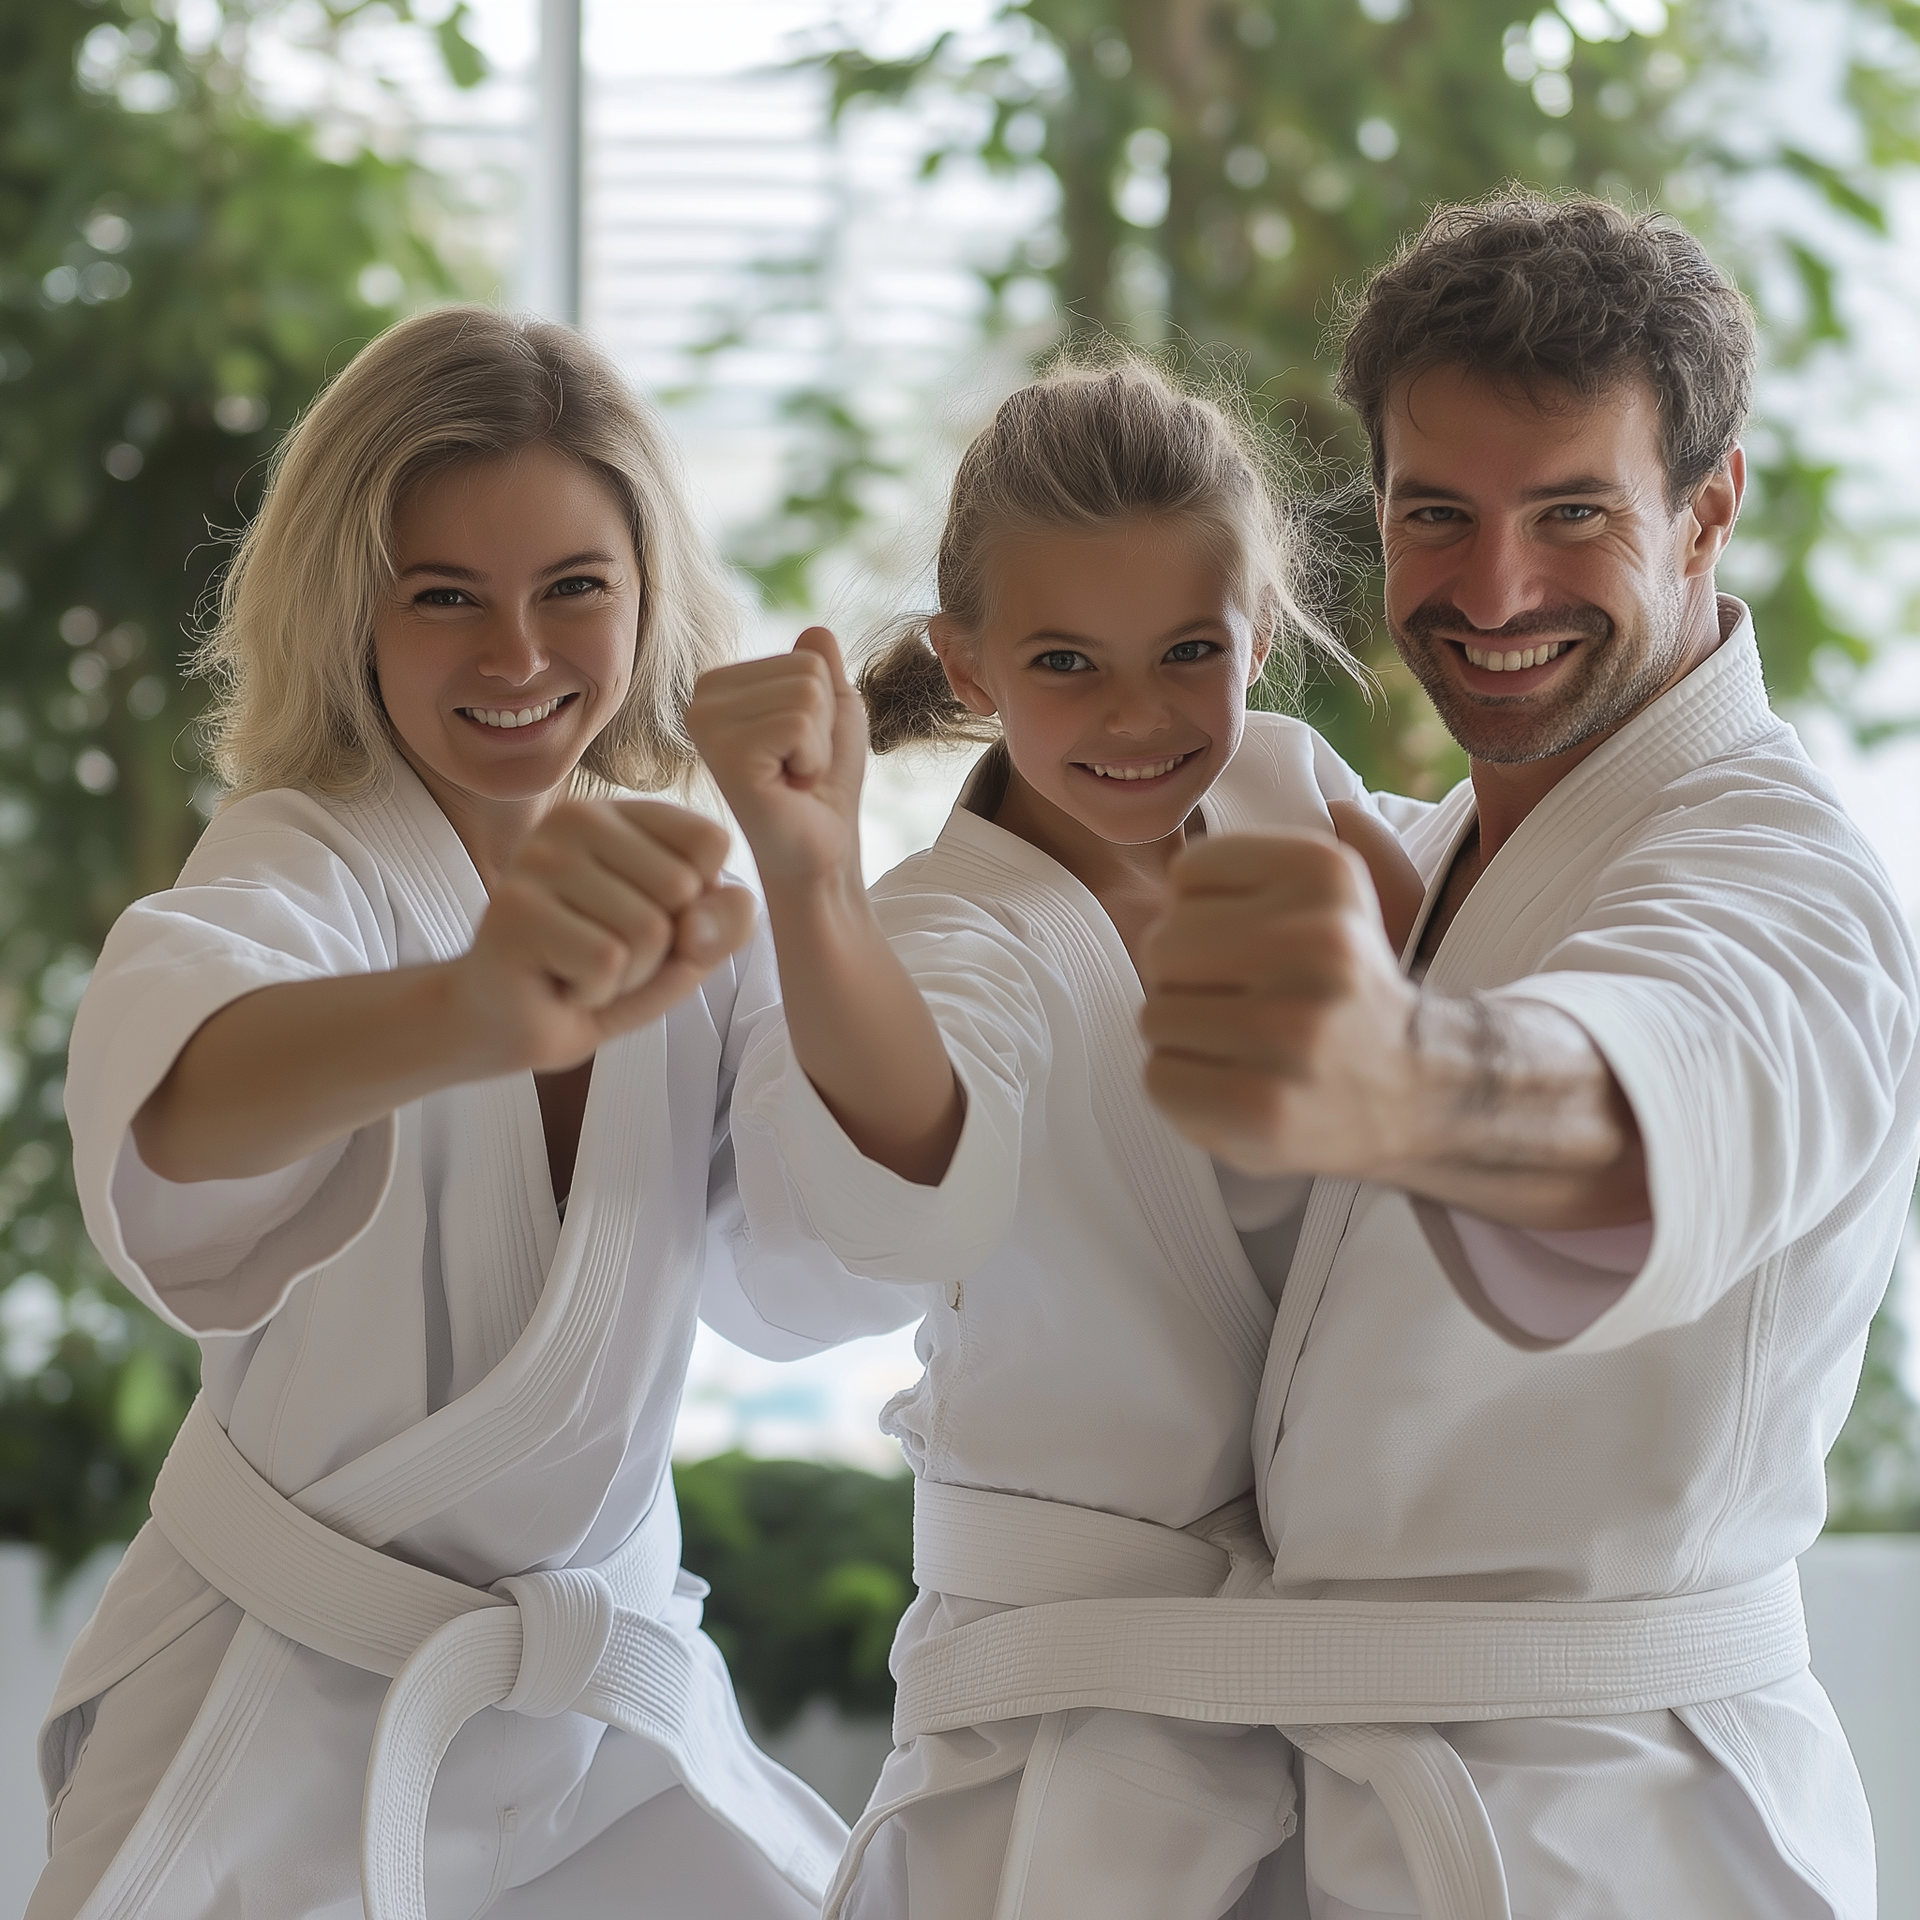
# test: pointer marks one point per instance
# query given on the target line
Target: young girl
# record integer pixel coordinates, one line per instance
(403, 1103)
(957, 1107)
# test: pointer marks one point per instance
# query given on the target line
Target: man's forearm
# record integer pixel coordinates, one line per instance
(1517, 1117)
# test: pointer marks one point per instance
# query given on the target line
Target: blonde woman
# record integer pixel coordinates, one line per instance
(957, 1105)
(402, 1102)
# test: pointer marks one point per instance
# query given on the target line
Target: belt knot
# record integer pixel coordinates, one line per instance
(566, 1620)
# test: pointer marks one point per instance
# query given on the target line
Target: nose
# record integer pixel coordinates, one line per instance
(1136, 710)
(510, 647)
(1498, 576)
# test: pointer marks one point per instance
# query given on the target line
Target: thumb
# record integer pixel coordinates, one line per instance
(850, 713)
(820, 640)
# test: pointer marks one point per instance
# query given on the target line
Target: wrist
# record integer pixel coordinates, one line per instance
(455, 1017)
(830, 908)
(1431, 1098)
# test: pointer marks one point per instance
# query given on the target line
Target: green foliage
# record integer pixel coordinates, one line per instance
(811, 1568)
(179, 273)
(83, 1434)
(1227, 168)
(1873, 1472)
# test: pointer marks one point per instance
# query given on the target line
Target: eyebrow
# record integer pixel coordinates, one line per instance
(592, 557)
(1582, 483)
(1207, 623)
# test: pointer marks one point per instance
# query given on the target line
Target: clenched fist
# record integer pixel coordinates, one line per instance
(1279, 1020)
(786, 739)
(1286, 1040)
(610, 912)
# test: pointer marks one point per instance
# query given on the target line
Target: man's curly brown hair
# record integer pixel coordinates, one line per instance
(1573, 296)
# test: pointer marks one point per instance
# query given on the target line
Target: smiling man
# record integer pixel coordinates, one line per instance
(1614, 1160)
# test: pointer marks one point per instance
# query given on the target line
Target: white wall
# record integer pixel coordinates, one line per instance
(1863, 1612)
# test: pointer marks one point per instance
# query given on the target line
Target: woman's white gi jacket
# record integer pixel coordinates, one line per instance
(1094, 1333)
(402, 1341)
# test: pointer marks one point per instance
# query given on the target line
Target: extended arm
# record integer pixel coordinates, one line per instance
(1286, 1040)
(786, 739)
(609, 914)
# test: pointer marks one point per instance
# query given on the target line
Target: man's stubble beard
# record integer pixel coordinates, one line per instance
(1616, 673)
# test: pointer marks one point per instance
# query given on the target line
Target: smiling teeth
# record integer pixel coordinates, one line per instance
(512, 716)
(1153, 771)
(1515, 662)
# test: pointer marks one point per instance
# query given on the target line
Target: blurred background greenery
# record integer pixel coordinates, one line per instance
(182, 265)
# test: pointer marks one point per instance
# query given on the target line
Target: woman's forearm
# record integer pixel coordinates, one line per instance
(280, 1073)
(863, 1033)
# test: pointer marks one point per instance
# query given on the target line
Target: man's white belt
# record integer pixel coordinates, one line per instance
(582, 1640)
(1358, 1684)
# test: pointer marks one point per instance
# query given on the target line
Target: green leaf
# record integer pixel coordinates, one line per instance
(1840, 193)
(466, 65)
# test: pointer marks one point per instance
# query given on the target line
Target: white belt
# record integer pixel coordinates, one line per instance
(1357, 1684)
(582, 1640)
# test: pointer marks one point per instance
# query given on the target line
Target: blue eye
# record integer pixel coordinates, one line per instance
(576, 584)
(1061, 660)
(1190, 650)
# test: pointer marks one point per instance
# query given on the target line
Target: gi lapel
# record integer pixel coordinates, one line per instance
(1180, 1198)
(545, 1370)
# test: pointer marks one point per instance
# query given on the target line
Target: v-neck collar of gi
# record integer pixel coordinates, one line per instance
(1720, 707)
(1185, 1207)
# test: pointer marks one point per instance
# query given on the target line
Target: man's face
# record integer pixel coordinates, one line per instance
(1539, 585)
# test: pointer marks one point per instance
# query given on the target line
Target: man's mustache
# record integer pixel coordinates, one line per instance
(1442, 620)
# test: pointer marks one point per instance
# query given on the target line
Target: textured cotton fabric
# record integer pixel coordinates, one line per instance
(342, 1305)
(1094, 1335)
(1695, 897)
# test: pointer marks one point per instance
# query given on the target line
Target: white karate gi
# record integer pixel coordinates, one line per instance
(1501, 1476)
(402, 1338)
(1693, 895)
(1093, 1340)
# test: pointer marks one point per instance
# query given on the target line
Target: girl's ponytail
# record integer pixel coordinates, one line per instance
(909, 703)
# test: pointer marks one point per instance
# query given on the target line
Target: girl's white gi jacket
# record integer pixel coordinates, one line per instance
(1094, 1331)
(403, 1341)
(1094, 1341)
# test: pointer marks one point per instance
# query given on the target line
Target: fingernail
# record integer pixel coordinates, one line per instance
(703, 930)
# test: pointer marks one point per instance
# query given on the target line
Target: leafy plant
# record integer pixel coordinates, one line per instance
(179, 273)
(811, 1568)
(1224, 168)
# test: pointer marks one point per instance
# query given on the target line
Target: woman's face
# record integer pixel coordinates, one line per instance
(1118, 663)
(507, 639)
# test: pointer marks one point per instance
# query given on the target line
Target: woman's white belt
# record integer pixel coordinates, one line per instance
(582, 1640)
(1356, 1683)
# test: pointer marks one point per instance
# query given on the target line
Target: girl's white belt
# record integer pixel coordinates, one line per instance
(1102, 1620)
(582, 1640)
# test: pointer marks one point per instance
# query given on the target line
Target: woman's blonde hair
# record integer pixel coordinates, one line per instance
(1082, 448)
(290, 652)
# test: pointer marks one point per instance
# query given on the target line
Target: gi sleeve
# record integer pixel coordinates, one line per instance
(259, 905)
(1750, 979)
(771, 1285)
(799, 1174)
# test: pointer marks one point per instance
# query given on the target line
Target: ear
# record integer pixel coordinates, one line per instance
(955, 649)
(1258, 655)
(1714, 508)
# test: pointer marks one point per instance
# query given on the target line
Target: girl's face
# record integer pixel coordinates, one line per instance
(1119, 664)
(507, 640)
